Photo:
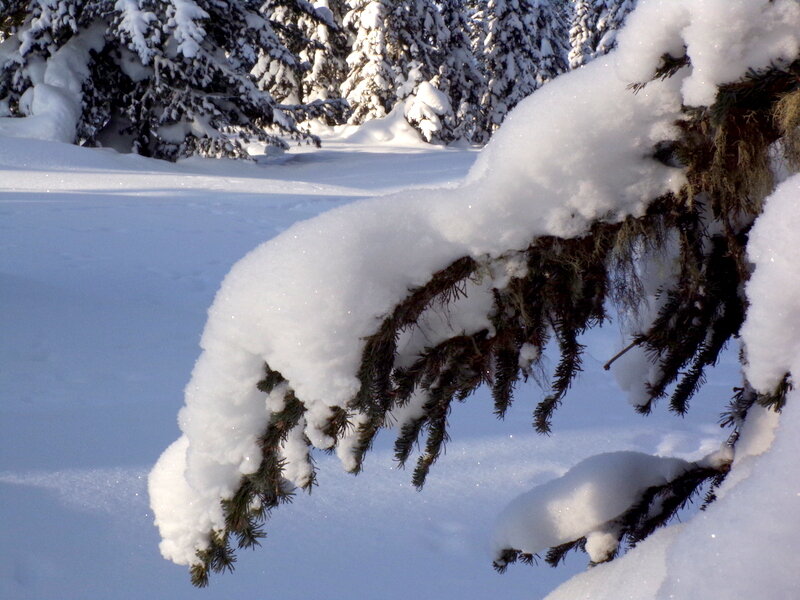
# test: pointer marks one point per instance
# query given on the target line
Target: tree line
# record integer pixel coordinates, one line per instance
(175, 78)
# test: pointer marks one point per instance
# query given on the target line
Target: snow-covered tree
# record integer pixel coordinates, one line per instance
(626, 190)
(524, 48)
(610, 22)
(278, 68)
(594, 26)
(12, 13)
(309, 52)
(166, 78)
(326, 55)
(423, 36)
(582, 36)
(460, 77)
(369, 87)
(397, 58)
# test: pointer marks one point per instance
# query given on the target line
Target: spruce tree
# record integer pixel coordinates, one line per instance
(610, 22)
(164, 78)
(418, 54)
(426, 38)
(369, 87)
(593, 28)
(12, 14)
(460, 77)
(278, 68)
(310, 53)
(326, 55)
(582, 33)
(524, 48)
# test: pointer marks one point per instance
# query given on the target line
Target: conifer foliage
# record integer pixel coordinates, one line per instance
(593, 28)
(326, 52)
(214, 75)
(398, 46)
(460, 77)
(561, 287)
(523, 49)
(164, 78)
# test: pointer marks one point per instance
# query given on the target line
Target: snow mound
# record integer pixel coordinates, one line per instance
(391, 129)
(773, 345)
(52, 106)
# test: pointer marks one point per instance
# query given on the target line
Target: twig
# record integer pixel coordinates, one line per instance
(607, 366)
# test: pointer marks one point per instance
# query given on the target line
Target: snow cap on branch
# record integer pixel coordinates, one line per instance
(581, 152)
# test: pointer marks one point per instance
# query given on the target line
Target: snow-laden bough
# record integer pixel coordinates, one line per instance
(381, 312)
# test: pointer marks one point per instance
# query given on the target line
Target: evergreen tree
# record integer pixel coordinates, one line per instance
(404, 53)
(594, 26)
(12, 13)
(312, 51)
(523, 49)
(460, 77)
(425, 38)
(582, 33)
(369, 87)
(610, 22)
(278, 68)
(164, 78)
(398, 47)
(326, 55)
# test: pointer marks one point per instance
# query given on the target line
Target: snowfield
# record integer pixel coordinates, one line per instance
(108, 264)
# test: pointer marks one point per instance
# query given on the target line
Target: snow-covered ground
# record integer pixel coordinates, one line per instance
(107, 266)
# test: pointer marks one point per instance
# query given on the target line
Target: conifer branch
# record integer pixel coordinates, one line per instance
(565, 288)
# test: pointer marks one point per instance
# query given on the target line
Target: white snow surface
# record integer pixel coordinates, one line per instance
(773, 344)
(742, 546)
(575, 151)
(107, 265)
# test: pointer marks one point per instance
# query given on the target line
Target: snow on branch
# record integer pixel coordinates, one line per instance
(385, 311)
(598, 503)
(134, 25)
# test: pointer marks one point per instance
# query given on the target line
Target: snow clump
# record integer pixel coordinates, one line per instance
(581, 503)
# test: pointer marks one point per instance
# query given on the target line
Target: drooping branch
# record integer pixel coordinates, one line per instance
(562, 288)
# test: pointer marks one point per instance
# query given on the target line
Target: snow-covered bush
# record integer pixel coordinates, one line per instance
(425, 110)
(164, 78)
(645, 172)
